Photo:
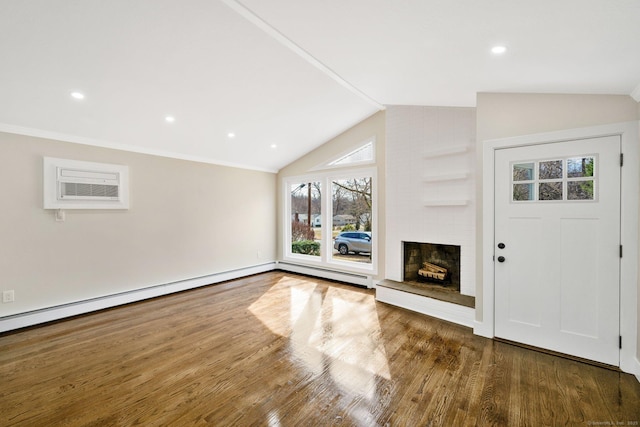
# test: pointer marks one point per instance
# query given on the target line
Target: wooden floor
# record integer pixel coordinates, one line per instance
(279, 349)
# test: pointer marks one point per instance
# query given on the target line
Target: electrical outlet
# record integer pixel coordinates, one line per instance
(8, 296)
(258, 254)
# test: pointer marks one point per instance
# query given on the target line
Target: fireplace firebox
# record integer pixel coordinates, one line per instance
(432, 264)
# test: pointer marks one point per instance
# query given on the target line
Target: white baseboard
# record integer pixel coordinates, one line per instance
(482, 329)
(353, 278)
(442, 310)
(81, 307)
(636, 370)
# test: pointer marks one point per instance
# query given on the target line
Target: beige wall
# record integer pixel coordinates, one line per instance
(502, 115)
(373, 126)
(186, 220)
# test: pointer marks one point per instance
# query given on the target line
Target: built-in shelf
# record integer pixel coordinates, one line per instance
(447, 177)
(447, 151)
(446, 203)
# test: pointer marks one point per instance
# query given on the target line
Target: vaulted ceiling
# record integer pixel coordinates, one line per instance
(258, 83)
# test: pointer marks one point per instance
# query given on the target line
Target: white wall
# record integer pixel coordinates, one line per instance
(416, 138)
(186, 220)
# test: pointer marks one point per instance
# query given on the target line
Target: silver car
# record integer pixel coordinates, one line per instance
(353, 241)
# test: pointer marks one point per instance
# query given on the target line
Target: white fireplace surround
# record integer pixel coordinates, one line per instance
(430, 184)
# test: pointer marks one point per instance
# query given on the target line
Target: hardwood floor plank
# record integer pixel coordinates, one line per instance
(279, 349)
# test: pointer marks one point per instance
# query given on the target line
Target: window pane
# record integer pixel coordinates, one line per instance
(579, 167)
(305, 214)
(551, 170)
(522, 192)
(580, 190)
(362, 154)
(550, 191)
(351, 212)
(523, 172)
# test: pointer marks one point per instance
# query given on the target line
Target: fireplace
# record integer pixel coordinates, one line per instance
(432, 264)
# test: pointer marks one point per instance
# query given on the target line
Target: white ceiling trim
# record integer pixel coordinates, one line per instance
(288, 43)
(39, 133)
(635, 94)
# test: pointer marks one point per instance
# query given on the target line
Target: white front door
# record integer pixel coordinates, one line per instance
(557, 247)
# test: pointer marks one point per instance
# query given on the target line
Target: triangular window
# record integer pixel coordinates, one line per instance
(364, 154)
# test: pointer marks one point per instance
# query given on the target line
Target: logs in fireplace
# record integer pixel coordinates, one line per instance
(433, 272)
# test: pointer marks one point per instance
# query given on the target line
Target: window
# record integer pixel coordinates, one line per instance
(362, 155)
(567, 179)
(359, 155)
(331, 219)
(305, 203)
(351, 209)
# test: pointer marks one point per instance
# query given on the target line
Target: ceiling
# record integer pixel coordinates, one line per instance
(285, 76)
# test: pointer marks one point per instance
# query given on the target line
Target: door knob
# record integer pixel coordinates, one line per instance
(501, 245)
(501, 259)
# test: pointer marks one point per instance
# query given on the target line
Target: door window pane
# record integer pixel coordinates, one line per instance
(523, 171)
(522, 192)
(580, 190)
(579, 167)
(550, 191)
(572, 178)
(551, 169)
(305, 214)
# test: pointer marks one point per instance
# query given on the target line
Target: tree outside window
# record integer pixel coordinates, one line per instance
(305, 209)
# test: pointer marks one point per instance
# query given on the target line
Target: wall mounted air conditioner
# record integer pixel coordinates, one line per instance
(73, 184)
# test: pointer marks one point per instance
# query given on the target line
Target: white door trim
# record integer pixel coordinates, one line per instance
(630, 189)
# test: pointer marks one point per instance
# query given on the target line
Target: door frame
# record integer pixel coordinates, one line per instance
(630, 189)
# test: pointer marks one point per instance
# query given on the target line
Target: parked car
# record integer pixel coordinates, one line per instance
(353, 241)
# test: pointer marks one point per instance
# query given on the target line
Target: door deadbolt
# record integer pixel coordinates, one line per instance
(501, 245)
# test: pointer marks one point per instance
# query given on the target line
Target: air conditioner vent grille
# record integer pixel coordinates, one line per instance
(78, 190)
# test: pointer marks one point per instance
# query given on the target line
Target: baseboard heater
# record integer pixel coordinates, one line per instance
(58, 312)
(353, 278)
(49, 314)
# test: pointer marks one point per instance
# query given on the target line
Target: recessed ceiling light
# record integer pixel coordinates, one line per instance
(170, 119)
(231, 135)
(498, 50)
(77, 95)
(274, 146)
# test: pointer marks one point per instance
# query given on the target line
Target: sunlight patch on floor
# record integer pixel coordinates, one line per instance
(356, 343)
(293, 294)
(337, 333)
